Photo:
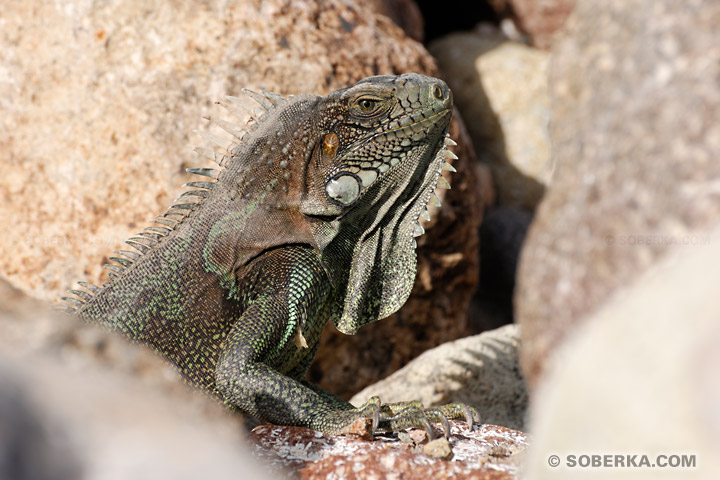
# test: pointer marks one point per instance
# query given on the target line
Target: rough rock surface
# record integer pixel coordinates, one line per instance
(541, 19)
(79, 402)
(482, 371)
(636, 98)
(639, 377)
(99, 102)
(487, 452)
(501, 86)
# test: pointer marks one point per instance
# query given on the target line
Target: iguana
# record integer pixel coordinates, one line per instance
(311, 218)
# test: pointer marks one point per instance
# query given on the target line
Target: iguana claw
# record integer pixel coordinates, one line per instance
(446, 426)
(375, 421)
(428, 429)
(471, 415)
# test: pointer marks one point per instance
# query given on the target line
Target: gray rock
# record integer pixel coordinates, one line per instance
(636, 101)
(502, 234)
(32, 445)
(69, 408)
(481, 371)
(640, 376)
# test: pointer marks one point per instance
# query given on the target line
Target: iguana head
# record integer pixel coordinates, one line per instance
(380, 147)
(367, 132)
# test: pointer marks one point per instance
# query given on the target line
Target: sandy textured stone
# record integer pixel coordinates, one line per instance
(438, 448)
(639, 377)
(488, 452)
(99, 102)
(636, 98)
(500, 87)
(481, 371)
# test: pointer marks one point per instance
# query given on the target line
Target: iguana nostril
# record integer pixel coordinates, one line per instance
(437, 92)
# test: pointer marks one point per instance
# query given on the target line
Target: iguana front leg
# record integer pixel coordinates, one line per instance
(262, 359)
(276, 336)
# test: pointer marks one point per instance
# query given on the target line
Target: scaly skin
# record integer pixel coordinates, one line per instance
(312, 219)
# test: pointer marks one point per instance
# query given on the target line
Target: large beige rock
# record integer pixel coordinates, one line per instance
(500, 86)
(639, 377)
(636, 99)
(99, 102)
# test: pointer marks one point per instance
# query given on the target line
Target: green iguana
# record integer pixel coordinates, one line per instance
(312, 218)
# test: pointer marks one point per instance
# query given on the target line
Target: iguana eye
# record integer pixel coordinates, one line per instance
(368, 105)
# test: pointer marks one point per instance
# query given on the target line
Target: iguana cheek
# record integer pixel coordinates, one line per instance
(344, 188)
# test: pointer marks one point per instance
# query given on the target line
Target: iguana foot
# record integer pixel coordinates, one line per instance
(402, 415)
(393, 417)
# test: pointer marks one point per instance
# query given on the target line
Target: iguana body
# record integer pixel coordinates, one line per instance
(312, 219)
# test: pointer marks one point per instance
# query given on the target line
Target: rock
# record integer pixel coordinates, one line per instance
(636, 100)
(488, 451)
(639, 377)
(481, 371)
(438, 448)
(500, 87)
(108, 426)
(404, 13)
(541, 19)
(29, 329)
(70, 411)
(30, 445)
(99, 103)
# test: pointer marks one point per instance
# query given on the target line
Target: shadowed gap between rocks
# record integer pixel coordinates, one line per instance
(504, 225)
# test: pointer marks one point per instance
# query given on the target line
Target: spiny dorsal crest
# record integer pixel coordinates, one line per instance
(190, 200)
(434, 201)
